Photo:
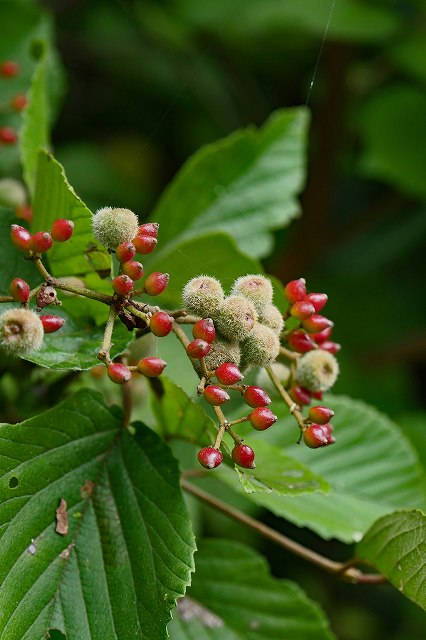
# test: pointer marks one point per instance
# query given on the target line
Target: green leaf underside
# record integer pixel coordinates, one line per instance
(233, 597)
(128, 552)
(396, 546)
(372, 470)
(245, 184)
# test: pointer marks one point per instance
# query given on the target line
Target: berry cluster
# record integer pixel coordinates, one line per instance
(10, 69)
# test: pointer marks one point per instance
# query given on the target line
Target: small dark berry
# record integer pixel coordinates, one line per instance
(215, 395)
(228, 373)
(155, 283)
(122, 285)
(209, 457)
(62, 229)
(51, 323)
(19, 290)
(204, 330)
(151, 367)
(295, 290)
(41, 242)
(256, 397)
(161, 324)
(198, 348)
(119, 373)
(262, 418)
(243, 455)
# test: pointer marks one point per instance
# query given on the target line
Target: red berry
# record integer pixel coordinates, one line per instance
(318, 300)
(322, 335)
(256, 397)
(119, 373)
(133, 269)
(209, 457)
(198, 349)
(204, 330)
(295, 290)
(331, 347)
(122, 285)
(41, 242)
(155, 283)
(243, 455)
(62, 229)
(19, 290)
(8, 135)
(215, 395)
(317, 323)
(19, 102)
(315, 437)
(144, 244)
(321, 415)
(24, 212)
(20, 237)
(262, 418)
(51, 323)
(228, 373)
(149, 229)
(318, 395)
(299, 394)
(151, 367)
(300, 341)
(161, 324)
(302, 309)
(9, 69)
(327, 430)
(125, 251)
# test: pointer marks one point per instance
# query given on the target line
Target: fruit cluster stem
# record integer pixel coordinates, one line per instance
(103, 354)
(65, 286)
(287, 399)
(224, 425)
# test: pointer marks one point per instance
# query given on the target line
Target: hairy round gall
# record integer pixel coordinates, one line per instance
(256, 288)
(113, 226)
(260, 348)
(317, 370)
(272, 317)
(203, 296)
(21, 331)
(235, 318)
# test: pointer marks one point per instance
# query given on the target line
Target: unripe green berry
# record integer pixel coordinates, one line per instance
(272, 317)
(235, 318)
(261, 347)
(317, 370)
(112, 227)
(256, 288)
(203, 296)
(21, 331)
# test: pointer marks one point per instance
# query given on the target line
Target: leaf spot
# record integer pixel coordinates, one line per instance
(32, 548)
(13, 483)
(87, 489)
(62, 518)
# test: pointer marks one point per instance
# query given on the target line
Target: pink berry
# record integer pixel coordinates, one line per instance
(144, 244)
(149, 229)
(122, 284)
(316, 323)
(243, 455)
(204, 330)
(209, 457)
(302, 309)
(155, 283)
(262, 418)
(41, 242)
(318, 395)
(8, 135)
(51, 323)
(161, 324)
(19, 102)
(228, 373)
(299, 394)
(125, 251)
(318, 300)
(9, 69)
(24, 212)
(320, 414)
(256, 397)
(331, 347)
(315, 437)
(300, 341)
(322, 335)
(62, 229)
(151, 367)
(119, 373)
(295, 290)
(20, 237)
(133, 269)
(327, 430)
(198, 348)
(19, 290)
(215, 395)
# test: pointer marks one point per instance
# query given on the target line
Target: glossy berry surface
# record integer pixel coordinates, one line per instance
(314, 437)
(8, 135)
(299, 394)
(198, 348)
(295, 290)
(155, 283)
(243, 455)
(204, 330)
(9, 69)
(318, 300)
(149, 229)
(228, 373)
(51, 323)
(320, 414)
(300, 341)
(161, 324)
(41, 242)
(151, 367)
(19, 290)
(322, 335)
(20, 237)
(317, 323)
(302, 309)
(62, 229)
(330, 346)
(144, 244)
(209, 457)
(133, 269)
(125, 251)
(327, 430)
(256, 397)
(262, 418)
(215, 395)
(119, 373)
(122, 285)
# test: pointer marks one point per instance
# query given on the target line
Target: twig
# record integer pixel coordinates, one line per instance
(284, 395)
(290, 355)
(65, 286)
(106, 342)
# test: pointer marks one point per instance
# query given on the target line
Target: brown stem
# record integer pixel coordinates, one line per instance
(331, 566)
(65, 286)
(224, 425)
(6, 299)
(180, 334)
(290, 355)
(140, 314)
(284, 395)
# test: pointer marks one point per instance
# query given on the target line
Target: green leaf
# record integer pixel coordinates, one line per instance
(396, 546)
(13, 263)
(127, 554)
(233, 596)
(245, 184)
(372, 469)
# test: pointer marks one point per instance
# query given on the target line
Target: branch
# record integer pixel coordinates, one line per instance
(284, 395)
(65, 286)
